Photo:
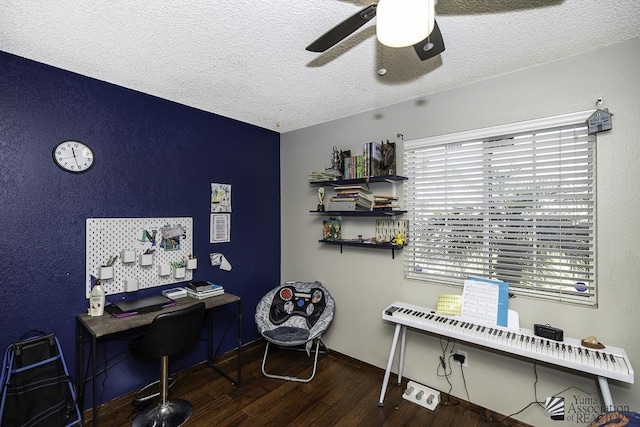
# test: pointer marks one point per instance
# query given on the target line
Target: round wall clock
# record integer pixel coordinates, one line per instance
(73, 156)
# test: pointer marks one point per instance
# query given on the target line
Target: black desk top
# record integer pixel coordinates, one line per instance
(100, 326)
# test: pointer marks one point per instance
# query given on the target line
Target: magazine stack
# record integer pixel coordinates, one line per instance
(202, 290)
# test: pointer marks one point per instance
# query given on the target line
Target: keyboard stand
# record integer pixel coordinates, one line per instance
(606, 393)
(392, 353)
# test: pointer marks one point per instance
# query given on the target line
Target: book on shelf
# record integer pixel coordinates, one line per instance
(388, 158)
(330, 175)
(376, 158)
(381, 202)
(352, 188)
(372, 153)
(331, 229)
(346, 206)
(352, 197)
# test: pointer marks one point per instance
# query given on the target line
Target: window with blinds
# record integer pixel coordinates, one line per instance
(514, 203)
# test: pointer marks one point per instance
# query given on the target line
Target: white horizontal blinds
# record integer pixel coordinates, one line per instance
(517, 207)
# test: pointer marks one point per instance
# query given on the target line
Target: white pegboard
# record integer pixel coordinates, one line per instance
(108, 237)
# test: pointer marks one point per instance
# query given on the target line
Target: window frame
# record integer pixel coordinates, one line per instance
(501, 132)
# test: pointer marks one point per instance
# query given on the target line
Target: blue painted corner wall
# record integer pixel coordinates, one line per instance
(153, 158)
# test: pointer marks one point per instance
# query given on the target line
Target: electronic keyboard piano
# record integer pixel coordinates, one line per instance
(607, 363)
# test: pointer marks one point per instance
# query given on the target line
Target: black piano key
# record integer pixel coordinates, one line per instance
(570, 349)
(564, 347)
(613, 359)
(500, 334)
(598, 355)
(580, 351)
(521, 338)
(604, 356)
(483, 328)
(587, 352)
(527, 340)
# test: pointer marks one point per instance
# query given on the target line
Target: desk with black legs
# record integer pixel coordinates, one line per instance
(105, 326)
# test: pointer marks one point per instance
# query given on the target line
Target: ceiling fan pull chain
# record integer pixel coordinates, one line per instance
(382, 71)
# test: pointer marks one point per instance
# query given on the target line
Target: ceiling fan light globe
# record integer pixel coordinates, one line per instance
(402, 23)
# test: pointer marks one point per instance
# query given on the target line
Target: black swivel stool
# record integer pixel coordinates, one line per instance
(169, 334)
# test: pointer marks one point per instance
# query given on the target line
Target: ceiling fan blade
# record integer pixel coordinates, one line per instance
(343, 29)
(431, 46)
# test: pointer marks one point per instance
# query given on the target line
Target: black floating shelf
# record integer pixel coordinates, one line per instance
(341, 243)
(382, 178)
(360, 213)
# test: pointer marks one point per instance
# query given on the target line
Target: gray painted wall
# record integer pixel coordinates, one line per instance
(363, 282)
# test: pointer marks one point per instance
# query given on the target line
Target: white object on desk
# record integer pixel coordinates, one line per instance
(175, 293)
(96, 301)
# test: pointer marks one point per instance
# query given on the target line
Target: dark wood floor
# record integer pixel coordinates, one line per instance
(344, 392)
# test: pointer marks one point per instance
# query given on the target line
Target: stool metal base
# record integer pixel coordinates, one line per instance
(149, 392)
(173, 413)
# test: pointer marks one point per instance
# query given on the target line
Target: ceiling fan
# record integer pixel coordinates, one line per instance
(429, 44)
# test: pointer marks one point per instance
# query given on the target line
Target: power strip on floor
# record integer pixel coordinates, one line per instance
(422, 395)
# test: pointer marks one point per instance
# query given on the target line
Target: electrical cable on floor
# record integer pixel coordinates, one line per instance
(535, 395)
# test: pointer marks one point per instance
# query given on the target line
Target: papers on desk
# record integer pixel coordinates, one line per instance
(202, 290)
(486, 301)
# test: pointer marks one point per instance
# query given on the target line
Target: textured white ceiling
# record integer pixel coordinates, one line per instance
(246, 59)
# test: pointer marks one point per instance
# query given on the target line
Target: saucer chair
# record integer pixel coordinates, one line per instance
(295, 314)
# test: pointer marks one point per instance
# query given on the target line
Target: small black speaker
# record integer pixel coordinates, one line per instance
(549, 332)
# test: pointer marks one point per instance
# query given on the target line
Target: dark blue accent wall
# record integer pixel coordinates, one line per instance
(153, 158)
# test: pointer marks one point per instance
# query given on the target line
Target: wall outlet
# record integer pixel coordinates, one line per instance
(422, 395)
(464, 355)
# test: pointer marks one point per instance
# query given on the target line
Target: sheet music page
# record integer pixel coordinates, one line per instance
(480, 301)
